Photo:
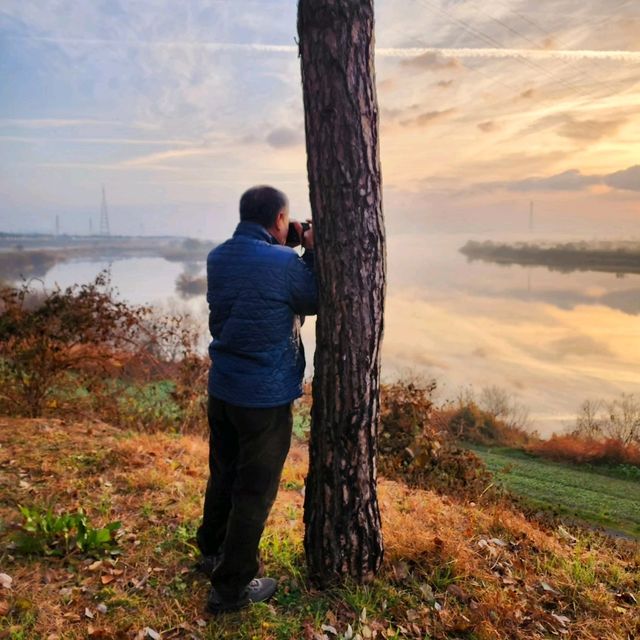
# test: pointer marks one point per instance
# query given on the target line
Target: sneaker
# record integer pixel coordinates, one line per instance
(258, 590)
(208, 564)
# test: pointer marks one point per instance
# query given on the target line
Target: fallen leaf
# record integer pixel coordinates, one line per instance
(88, 613)
(95, 565)
(547, 587)
(106, 579)
(5, 607)
(427, 591)
(563, 533)
(151, 633)
(102, 607)
(330, 629)
(498, 542)
(5, 580)
(74, 617)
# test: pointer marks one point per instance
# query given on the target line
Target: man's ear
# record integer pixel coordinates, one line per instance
(280, 219)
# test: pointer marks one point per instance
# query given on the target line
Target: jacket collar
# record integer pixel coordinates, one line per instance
(254, 230)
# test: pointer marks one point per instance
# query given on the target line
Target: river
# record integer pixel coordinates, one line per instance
(552, 339)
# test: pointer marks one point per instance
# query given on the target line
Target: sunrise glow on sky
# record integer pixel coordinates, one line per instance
(178, 106)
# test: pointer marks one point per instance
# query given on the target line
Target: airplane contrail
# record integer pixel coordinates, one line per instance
(532, 54)
(385, 52)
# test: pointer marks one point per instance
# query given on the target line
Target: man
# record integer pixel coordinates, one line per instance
(257, 290)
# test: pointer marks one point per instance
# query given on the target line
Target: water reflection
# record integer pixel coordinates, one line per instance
(554, 339)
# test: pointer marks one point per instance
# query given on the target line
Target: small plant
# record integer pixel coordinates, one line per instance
(49, 534)
(149, 405)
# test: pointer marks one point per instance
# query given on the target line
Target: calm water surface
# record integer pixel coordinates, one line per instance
(553, 339)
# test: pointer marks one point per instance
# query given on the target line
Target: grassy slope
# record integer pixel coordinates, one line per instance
(452, 570)
(569, 489)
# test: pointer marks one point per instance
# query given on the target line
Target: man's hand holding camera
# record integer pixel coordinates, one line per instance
(300, 233)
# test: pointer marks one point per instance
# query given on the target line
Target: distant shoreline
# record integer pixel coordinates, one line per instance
(25, 255)
(606, 256)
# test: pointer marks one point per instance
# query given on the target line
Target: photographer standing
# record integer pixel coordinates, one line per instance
(257, 289)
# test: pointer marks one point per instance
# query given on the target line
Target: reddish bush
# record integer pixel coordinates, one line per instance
(587, 450)
(415, 452)
(75, 351)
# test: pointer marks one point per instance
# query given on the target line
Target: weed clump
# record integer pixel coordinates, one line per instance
(45, 533)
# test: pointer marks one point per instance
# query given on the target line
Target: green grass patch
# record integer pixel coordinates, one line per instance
(570, 490)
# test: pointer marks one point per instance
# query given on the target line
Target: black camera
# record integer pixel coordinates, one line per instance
(293, 239)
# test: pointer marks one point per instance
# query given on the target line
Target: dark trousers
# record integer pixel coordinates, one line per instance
(247, 450)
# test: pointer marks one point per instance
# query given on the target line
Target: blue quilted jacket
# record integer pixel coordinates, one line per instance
(257, 291)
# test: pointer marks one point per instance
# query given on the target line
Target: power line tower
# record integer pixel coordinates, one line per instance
(104, 216)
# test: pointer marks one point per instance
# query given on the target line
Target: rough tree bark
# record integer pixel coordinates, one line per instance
(343, 534)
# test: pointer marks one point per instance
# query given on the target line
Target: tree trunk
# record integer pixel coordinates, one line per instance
(343, 534)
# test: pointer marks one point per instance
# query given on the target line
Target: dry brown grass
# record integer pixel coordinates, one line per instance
(452, 569)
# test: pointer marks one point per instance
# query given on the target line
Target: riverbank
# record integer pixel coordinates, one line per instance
(452, 568)
(25, 256)
(606, 256)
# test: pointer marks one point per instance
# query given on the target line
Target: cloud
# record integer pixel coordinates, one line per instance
(444, 84)
(529, 93)
(394, 113)
(627, 179)
(427, 118)
(571, 180)
(283, 137)
(48, 123)
(117, 141)
(590, 130)
(417, 56)
(574, 180)
(578, 345)
(431, 61)
(388, 84)
(415, 53)
(152, 159)
(487, 126)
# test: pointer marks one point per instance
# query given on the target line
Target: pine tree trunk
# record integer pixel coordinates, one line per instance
(343, 534)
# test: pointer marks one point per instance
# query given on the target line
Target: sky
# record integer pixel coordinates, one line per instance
(178, 107)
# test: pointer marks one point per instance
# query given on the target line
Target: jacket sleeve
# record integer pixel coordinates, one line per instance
(302, 285)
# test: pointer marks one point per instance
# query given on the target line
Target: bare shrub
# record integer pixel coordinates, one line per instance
(618, 419)
(503, 406)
